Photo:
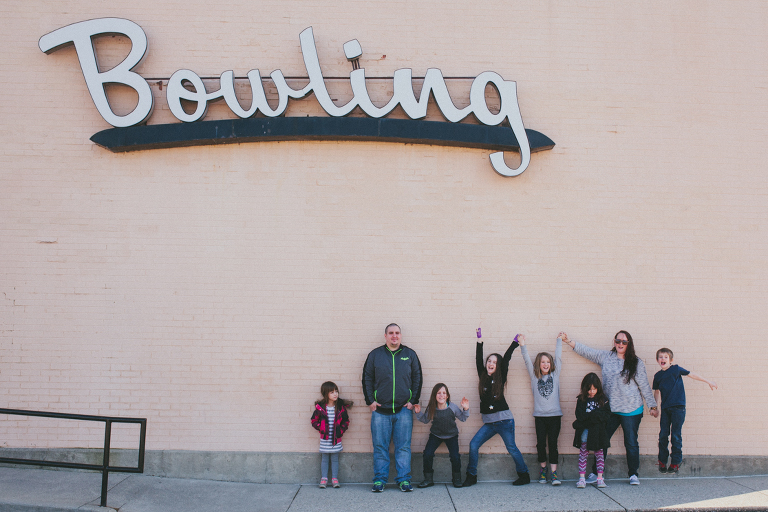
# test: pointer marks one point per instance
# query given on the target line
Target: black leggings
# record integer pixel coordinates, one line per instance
(547, 431)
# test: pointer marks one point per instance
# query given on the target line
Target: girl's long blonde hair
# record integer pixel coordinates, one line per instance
(537, 364)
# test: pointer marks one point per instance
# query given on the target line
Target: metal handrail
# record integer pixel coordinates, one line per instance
(104, 467)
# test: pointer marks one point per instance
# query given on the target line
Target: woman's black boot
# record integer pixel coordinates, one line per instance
(522, 479)
(469, 481)
(456, 478)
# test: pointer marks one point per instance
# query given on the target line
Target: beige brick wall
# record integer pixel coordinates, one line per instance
(212, 289)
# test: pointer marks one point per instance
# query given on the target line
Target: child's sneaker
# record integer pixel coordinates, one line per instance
(543, 476)
(673, 468)
(378, 486)
(634, 480)
(581, 484)
(601, 483)
(323, 483)
(335, 483)
(405, 486)
(662, 467)
(555, 480)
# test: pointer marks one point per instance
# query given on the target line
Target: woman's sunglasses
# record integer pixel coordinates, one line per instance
(621, 342)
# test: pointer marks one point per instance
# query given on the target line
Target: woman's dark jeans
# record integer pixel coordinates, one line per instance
(630, 425)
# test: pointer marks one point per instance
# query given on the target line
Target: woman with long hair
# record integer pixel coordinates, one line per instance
(626, 383)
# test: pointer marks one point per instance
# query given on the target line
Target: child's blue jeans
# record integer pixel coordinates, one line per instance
(671, 421)
(506, 429)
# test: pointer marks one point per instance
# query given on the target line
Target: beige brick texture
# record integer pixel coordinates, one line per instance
(213, 289)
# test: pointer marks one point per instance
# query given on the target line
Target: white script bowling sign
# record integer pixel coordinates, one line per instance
(80, 34)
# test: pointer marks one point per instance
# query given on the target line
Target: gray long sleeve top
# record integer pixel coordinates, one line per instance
(444, 422)
(546, 390)
(625, 398)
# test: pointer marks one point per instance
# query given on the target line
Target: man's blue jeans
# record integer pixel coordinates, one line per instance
(630, 425)
(506, 429)
(392, 427)
(672, 419)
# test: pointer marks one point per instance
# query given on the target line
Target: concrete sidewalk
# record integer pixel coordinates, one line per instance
(42, 490)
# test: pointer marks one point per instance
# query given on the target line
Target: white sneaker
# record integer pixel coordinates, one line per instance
(601, 483)
(633, 480)
(581, 484)
(592, 478)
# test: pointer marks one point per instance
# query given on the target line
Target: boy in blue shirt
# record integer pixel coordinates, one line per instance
(669, 391)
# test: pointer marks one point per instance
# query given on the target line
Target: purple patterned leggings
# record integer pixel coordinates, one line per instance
(584, 453)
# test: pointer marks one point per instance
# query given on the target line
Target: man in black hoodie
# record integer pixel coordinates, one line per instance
(392, 385)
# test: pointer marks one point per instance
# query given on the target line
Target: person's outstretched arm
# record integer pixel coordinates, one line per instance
(696, 376)
(593, 354)
(526, 357)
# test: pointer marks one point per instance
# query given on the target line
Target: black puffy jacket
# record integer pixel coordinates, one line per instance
(596, 422)
(392, 378)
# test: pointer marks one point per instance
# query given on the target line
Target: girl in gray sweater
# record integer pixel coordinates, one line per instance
(545, 385)
(443, 414)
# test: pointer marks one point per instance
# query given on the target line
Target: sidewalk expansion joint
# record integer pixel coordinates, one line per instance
(759, 491)
(610, 498)
(448, 490)
(294, 497)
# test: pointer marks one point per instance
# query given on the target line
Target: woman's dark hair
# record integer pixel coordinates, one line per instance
(432, 407)
(328, 387)
(496, 385)
(589, 380)
(630, 358)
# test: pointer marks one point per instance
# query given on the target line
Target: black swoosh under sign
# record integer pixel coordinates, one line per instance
(237, 131)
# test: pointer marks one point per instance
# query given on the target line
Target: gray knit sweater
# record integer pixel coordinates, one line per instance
(625, 398)
(444, 421)
(546, 390)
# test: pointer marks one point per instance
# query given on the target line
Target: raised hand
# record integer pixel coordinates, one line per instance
(465, 403)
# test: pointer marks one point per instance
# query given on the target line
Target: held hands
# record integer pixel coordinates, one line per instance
(465, 404)
(374, 405)
(563, 336)
(417, 408)
(409, 406)
(520, 339)
(655, 413)
(479, 333)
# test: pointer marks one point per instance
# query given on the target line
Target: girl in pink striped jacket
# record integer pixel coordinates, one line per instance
(331, 420)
